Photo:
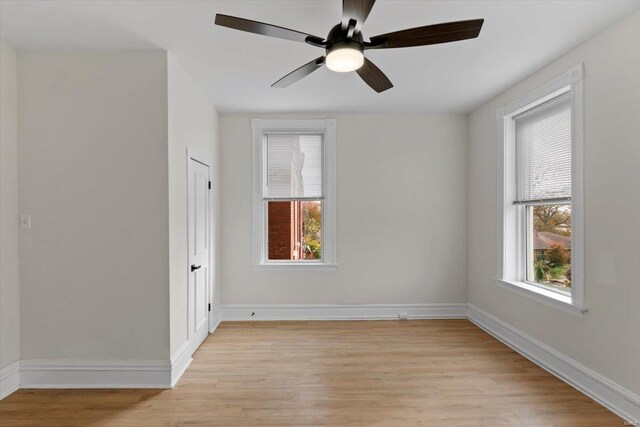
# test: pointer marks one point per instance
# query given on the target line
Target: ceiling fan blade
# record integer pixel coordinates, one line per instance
(300, 73)
(374, 77)
(263, 28)
(356, 9)
(430, 34)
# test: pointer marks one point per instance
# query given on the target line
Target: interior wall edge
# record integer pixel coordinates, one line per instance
(9, 379)
(9, 209)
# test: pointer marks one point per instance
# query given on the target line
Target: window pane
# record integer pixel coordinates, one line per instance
(550, 248)
(293, 166)
(294, 230)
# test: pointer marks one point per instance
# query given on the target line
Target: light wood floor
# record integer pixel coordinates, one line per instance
(382, 373)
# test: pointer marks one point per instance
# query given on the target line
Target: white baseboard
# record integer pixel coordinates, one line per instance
(341, 312)
(165, 374)
(94, 374)
(9, 379)
(214, 319)
(609, 394)
(183, 357)
(180, 362)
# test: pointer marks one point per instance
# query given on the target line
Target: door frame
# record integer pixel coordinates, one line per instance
(195, 156)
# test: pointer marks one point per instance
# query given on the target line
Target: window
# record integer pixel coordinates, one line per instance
(294, 190)
(543, 191)
(541, 244)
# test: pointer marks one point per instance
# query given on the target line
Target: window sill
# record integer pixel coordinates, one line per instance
(299, 266)
(543, 296)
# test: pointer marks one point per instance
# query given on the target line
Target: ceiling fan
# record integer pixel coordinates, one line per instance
(345, 44)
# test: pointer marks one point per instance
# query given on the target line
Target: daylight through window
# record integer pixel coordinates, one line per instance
(293, 193)
(543, 191)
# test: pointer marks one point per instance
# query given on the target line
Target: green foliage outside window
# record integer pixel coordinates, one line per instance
(312, 229)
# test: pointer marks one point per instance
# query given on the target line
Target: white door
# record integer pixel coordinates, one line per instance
(198, 267)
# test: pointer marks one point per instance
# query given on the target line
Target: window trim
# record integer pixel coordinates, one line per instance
(326, 127)
(510, 228)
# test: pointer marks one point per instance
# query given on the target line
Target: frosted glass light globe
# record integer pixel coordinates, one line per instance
(345, 59)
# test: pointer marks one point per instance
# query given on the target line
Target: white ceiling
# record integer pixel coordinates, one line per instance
(236, 69)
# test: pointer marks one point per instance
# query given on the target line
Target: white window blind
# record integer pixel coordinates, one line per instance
(543, 152)
(293, 166)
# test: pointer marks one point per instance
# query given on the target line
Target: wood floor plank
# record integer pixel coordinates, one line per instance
(326, 373)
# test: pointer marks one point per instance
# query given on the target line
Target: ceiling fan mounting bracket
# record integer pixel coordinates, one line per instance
(351, 28)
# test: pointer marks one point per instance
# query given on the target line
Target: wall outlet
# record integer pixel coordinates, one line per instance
(25, 222)
(403, 316)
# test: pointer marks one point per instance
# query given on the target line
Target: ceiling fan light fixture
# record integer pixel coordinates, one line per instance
(345, 59)
(345, 44)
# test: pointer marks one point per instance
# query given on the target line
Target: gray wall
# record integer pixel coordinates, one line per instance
(94, 268)
(606, 339)
(9, 235)
(401, 206)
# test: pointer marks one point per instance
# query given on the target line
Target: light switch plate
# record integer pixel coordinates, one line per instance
(25, 222)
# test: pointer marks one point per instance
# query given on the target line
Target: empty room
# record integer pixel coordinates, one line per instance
(320, 213)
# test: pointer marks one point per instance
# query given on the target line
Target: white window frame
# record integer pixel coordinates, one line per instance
(511, 269)
(326, 127)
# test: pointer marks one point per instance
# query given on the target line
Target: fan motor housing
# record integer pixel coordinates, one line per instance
(338, 38)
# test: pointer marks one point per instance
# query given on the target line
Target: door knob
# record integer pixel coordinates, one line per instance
(195, 267)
